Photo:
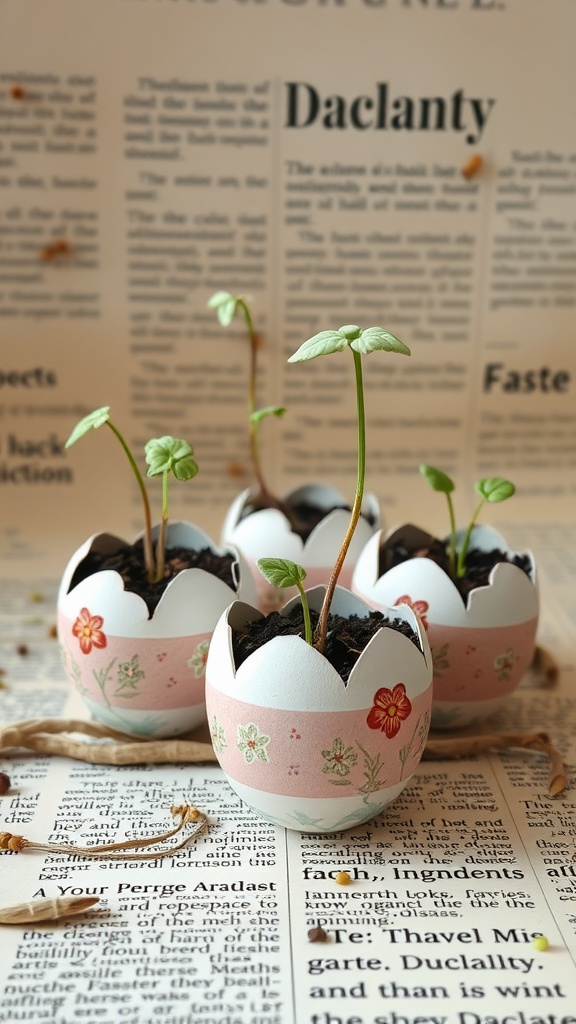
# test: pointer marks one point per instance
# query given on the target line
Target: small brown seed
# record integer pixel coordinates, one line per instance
(317, 935)
(4, 783)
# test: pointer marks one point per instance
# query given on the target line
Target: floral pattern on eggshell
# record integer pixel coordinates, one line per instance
(340, 759)
(504, 664)
(129, 675)
(252, 743)
(390, 709)
(218, 737)
(88, 630)
(198, 659)
(440, 659)
(420, 607)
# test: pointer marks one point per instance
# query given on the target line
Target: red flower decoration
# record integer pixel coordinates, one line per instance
(88, 629)
(390, 709)
(420, 607)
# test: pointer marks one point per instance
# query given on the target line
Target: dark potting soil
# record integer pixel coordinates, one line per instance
(346, 638)
(479, 564)
(303, 517)
(129, 563)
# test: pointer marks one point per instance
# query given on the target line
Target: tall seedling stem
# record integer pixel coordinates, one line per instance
(361, 343)
(493, 489)
(226, 306)
(163, 455)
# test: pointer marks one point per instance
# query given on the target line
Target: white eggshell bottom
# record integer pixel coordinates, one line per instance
(317, 815)
(447, 714)
(159, 724)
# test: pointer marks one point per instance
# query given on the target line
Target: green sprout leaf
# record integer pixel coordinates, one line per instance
(495, 488)
(170, 454)
(375, 339)
(281, 572)
(438, 480)
(225, 305)
(270, 410)
(320, 345)
(90, 422)
(442, 483)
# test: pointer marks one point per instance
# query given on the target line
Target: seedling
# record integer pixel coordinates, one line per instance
(282, 573)
(226, 306)
(360, 343)
(164, 455)
(492, 488)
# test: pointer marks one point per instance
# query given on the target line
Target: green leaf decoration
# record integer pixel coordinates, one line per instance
(320, 345)
(495, 488)
(281, 572)
(170, 454)
(225, 305)
(375, 339)
(269, 410)
(438, 480)
(90, 422)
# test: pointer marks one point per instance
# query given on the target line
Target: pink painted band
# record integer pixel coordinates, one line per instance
(480, 664)
(137, 674)
(313, 753)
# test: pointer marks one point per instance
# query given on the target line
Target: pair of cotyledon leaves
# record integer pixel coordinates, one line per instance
(322, 344)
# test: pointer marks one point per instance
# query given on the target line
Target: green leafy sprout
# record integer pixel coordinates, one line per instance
(164, 455)
(227, 306)
(359, 342)
(282, 573)
(493, 489)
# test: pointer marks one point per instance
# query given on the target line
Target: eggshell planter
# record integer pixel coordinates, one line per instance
(138, 674)
(481, 648)
(301, 747)
(267, 533)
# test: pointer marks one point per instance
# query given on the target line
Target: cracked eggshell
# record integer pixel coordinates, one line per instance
(301, 719)
(482, 647)
(267, 534)
(140, 674)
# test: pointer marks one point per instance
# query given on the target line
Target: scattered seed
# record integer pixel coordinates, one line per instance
(471, 168)
(317, 935)
(52, 632)
(36, 597)
(17, 92)
(56, 249)
(343, 878)
(540, 942)
(4, 783)
(23, 650)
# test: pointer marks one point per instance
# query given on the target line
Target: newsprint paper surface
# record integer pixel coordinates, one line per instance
(406, 163)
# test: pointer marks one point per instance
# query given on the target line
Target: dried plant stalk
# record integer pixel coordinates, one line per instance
(46, 910)
(463, 746)
(123, 850)
(52, 736)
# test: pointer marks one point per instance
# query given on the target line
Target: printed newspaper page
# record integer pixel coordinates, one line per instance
(406, 163)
